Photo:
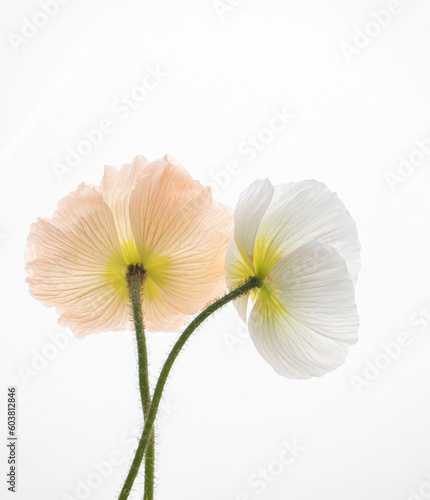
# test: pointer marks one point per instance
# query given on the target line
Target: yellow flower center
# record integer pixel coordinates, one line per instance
(266, 255)
(155, 265)
(260, 264)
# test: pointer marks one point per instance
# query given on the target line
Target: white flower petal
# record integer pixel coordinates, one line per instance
(250, 208)
(300, 213)
(313, 285)
(237, 272)
(306, 319)
(241, 305)
(293, 350)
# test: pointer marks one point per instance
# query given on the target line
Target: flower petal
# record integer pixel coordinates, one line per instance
(300, 213)
(237, 272)
(67, 258)
(181, 236)
(159, 316)
(116, 188)
(249, 211)
(306, 317)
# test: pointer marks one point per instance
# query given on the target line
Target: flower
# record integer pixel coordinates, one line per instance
(153, 215)
(302, 242)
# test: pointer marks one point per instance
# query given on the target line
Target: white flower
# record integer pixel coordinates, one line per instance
(302, 242)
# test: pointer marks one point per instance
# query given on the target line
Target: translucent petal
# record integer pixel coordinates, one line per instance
(68, 258)
(306, 317)
(237, 271)
(300, 213)
(116, 188)
(181, 236)
(250, 208)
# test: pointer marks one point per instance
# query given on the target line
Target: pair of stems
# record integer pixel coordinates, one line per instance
(150, 407)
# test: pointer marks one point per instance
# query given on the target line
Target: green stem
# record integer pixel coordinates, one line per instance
(251, 283)
(136, 277)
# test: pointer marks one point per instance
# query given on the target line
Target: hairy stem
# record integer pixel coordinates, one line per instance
(135, 278)
(251, 283)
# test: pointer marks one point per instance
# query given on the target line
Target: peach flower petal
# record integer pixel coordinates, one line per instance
(153, 215)
(182, 237)
(116, 188)
(67, 257)
(159, 316)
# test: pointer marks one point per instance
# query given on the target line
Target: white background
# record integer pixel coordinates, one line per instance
(225, 75)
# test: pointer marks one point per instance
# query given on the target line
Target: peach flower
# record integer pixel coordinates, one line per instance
(149, 214)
